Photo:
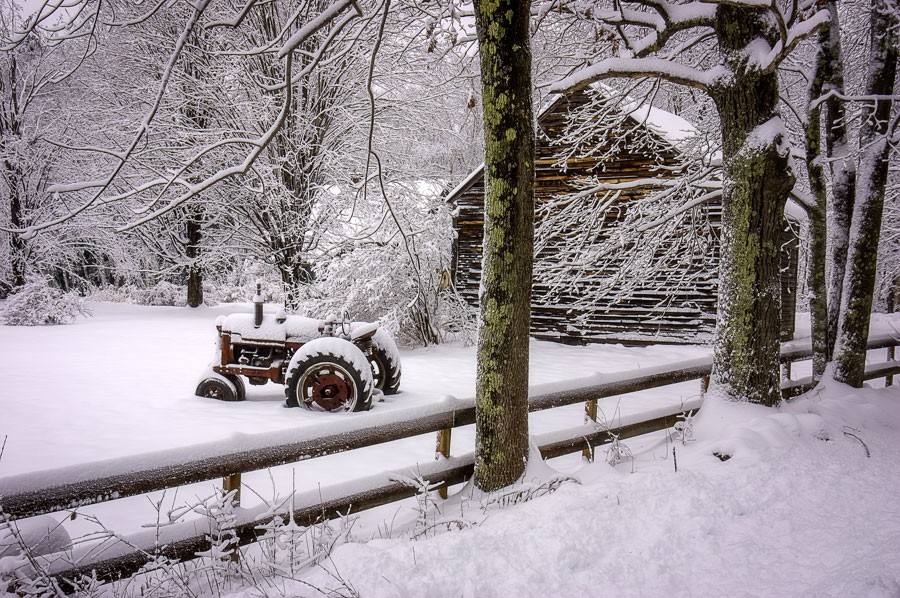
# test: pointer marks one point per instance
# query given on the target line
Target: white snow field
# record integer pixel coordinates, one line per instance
(805, 503)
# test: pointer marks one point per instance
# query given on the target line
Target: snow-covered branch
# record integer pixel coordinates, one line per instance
(235, 21)
(689, 205)
(139, 135)
(771, 60)
(257, 145)
(131, 156)
(639, 68)
(833, 93)
(804, 200)
(315, 25)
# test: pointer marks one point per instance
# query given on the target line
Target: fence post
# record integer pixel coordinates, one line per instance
(786, 371)
(590, 415)
(233, 482)
(229, 483)
(443, 449)
(704, 385)
(889, 379)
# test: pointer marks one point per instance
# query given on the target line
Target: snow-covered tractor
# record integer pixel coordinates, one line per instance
(325, 365)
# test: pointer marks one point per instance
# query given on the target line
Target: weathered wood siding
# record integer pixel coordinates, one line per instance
(655, 312)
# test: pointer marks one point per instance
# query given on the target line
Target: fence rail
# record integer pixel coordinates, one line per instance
(69, 488)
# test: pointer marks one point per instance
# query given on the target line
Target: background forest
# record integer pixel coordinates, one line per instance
(147, 159)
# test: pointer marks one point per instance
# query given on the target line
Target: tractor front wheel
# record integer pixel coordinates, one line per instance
(221, 387)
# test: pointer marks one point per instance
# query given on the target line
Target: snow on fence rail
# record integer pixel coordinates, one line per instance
(64, 489)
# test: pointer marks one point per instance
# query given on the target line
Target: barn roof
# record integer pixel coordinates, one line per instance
(671, 127)
(664, 125)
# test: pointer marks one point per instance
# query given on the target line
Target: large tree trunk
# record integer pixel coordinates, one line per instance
(816, 280)
(840, 212)
(296, 275)
(501, 388)
(871, 178)
(757, 182)
(296, 152)
(13, 179)
(199, 113)
(827, 77)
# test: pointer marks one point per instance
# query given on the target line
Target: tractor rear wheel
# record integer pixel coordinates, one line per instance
(329, 374)
(384, 359)
(385, 371)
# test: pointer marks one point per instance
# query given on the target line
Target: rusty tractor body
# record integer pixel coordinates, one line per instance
(325, 365)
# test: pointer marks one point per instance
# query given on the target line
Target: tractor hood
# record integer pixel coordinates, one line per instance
(272, 329)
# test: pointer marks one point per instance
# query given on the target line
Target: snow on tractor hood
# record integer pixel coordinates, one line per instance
(272, 329)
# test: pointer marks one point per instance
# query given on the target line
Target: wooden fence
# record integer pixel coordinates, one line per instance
(66, 489)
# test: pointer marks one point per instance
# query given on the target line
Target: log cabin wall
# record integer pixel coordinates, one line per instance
(651, 313)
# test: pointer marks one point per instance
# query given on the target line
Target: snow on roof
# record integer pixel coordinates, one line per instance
(667, 125)
(670, 127)
(466, 182)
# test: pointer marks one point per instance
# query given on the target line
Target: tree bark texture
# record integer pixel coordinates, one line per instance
(830, 114)
(840, 213)
(14, 180)
(757, 181)
(871, 178)
(12, 175)
(199, 113)
(501, 411)
(192, 252)
(296, 275)
(840, 209)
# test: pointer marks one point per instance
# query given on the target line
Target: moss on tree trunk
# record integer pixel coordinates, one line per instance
(871, 172)
(501, 415)
(830, 114)
(757, 182)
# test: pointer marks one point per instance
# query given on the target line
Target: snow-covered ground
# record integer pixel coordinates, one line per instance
(798, 508)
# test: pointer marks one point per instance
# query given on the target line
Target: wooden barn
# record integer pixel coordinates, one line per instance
(579, 293)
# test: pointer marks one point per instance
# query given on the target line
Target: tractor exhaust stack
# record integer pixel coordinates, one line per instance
(258, 307)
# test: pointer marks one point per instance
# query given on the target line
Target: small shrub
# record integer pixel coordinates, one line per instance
(233, 293)
(38, 303)
(172, 295)
(227, 294)
(113, 294)
(162, 294)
